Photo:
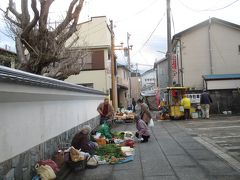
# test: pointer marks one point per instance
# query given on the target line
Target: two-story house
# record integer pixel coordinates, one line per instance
(210, 47)
(205, 55)
(93, 36)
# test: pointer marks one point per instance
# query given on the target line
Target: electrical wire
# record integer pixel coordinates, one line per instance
(172, 22)
(202, 10)
(138, 12)
(152, 32)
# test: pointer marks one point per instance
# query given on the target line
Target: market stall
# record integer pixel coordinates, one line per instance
(126, 116)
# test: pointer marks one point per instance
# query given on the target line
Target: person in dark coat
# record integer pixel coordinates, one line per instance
(205, 101)
(133, 104)
(82, 140)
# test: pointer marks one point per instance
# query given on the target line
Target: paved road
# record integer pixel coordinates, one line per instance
(223, 132)
(172, 153)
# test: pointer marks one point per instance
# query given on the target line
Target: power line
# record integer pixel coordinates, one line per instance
(152, 32)
(202, 10)
(138, 12)
(173, 22)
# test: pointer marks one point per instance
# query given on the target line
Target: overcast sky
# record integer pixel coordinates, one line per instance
(145, 20)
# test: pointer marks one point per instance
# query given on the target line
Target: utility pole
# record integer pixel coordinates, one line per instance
(113, 69)
(169, 43)
(129, 67)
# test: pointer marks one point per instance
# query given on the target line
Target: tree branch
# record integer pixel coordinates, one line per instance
(68, 17)
(25, 14)
(72, 29)
(66, 67)
(20, 51)
(11, 20)
(32, 24)
(45, 5)
(13, 10)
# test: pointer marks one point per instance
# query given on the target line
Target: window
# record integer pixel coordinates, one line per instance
(93, 61)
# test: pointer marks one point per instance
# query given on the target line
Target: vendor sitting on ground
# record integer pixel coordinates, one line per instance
(82, 141)
(106, 111)
(143, 129)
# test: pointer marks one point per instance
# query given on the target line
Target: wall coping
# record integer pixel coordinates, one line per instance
(24, 78)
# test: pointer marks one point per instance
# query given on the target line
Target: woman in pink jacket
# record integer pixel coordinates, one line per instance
(143, 129)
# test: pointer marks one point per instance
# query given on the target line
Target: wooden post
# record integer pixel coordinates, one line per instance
(113, 69)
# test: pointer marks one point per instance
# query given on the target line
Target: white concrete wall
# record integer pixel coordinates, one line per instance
(31, 115)
(223, 84)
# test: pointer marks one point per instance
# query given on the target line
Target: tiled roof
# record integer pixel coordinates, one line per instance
(20, 77)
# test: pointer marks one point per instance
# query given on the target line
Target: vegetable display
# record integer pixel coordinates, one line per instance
(109, 150)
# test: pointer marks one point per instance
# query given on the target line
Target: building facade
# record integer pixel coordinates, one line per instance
(135, 85)
(93, 36)
(211, 47)
(123, 84)
(148, 80)
(161, 67)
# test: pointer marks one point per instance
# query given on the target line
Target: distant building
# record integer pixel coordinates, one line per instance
(7, 58)
(148, 80)
(161, 67)
(135, 85)
(123, 86)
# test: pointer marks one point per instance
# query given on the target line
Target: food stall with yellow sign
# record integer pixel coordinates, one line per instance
(174, 97)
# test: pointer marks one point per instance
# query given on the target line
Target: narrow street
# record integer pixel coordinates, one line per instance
(175, 152)
(220, 131)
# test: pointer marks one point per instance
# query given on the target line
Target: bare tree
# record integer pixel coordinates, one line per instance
(47, 54)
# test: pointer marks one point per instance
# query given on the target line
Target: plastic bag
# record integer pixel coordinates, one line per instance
(105, 131)
(151, 123)
(75, 155)
(181, 108)
(49, 162)
(45, 172)
(92, 162)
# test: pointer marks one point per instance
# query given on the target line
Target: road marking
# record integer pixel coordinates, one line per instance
(211, 122)
(220, 142)
(232, 162)
(233, 148)
(225, 137)
(225, 127)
